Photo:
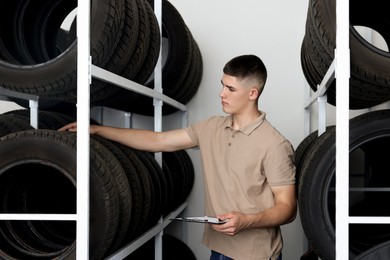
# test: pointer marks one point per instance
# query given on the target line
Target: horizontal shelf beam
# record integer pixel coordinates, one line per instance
(9, 93)
(369, 220)
(122, 82)
(147, 236)
(25, 216)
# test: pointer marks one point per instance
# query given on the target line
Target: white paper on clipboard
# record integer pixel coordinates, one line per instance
(205, 219)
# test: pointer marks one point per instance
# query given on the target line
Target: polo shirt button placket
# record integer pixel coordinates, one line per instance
(233, 135)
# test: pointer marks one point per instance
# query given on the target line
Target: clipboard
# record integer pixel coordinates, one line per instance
(205, 219)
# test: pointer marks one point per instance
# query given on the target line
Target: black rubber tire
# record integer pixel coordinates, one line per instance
(301, 152)
(170, 189)
(145, 210)
(122, 53)
(9, 20)
(370, 66)
(379, 252)
(179, 54)
(11, 124)
(189, 172)
(156, 187)
(56, 78)
(56, 150)
(141, 47)
(26, 121)
(137, 199)
(24, 193)
(369, 135)
(112, 157)
(153, 52)
(182, 52)
(144, 105)
(46, 119)
(122, 98)
(177, 170)
(128, 39)
(38, 27)
(162, 179)
(194, 75)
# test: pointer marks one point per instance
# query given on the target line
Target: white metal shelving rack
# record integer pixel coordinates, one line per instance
(340, 69)
(85, 72)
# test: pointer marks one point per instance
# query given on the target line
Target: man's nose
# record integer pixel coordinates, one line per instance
(222, 93)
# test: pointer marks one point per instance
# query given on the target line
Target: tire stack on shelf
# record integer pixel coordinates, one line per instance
(182, 68)
(39, 57)
(130, 191)
(370, 65)
(368, 139)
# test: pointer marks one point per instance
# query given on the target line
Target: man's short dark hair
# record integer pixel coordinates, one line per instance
(247, 66)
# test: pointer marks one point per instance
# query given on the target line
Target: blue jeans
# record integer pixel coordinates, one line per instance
(218, 256)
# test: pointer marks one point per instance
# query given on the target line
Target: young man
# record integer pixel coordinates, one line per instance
(248, 166)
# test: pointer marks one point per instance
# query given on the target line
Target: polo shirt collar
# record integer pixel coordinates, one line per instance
(249, 128)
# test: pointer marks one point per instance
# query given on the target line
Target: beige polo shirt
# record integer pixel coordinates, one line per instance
(239, 166)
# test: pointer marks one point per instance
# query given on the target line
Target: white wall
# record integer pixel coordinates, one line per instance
(8, 105)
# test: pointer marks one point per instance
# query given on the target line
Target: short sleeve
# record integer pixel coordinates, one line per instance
(280, 166)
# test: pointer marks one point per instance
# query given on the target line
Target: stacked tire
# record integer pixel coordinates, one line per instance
(368, 136)
(182, 67)
(370, 66)
(38, 56)
(129, 193)
(315, 159)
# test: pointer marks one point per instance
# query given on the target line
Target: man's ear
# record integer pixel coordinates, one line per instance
(253, 94)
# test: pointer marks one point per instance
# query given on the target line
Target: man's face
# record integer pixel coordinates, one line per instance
(234, 95)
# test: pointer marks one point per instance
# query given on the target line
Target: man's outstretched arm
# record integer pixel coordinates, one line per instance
(140, 139)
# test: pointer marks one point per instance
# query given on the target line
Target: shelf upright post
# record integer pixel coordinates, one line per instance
(342, 74)
(83, 115)
(34, 116)
(307, 113)
(320, 97)
(158, 103)
(322, 101)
